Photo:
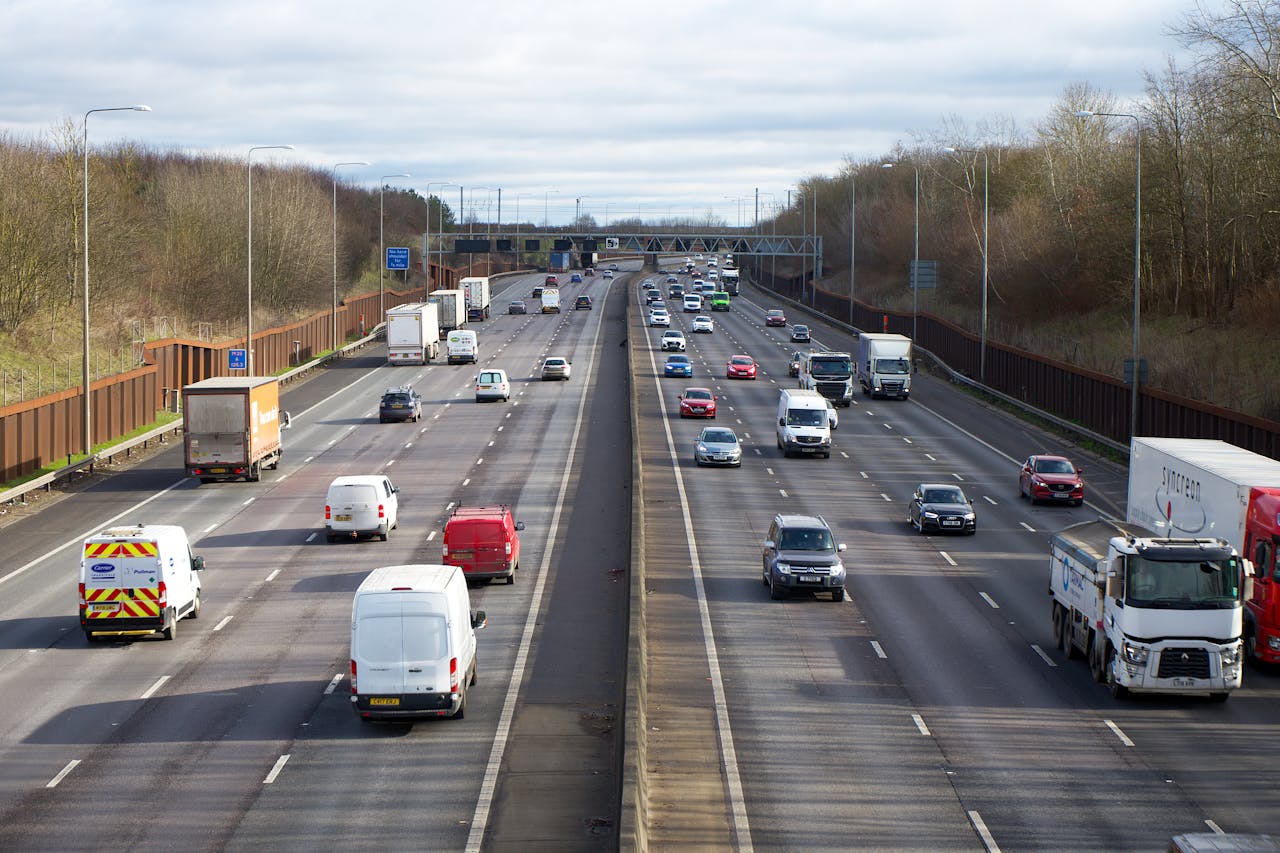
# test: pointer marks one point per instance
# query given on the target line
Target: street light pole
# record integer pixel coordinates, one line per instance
(853, 183)
(333, 317)
(915, 255)
(544, 206)
(87, 408)
(248, 326)
(426, 255)
(1137, 253)
(986, 208)
(382, 250)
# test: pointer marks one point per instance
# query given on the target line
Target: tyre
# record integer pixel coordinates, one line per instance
(1097, 658)
(170, 629)
(91, 637)
(1079, 502)
(775, 592)
(511, 578)
(764, 576)
(1251, 644)
(195, 608)
(383, 534)
(331, 537)
(1060, 628)
(461, 713)
(1118, 691)
(1218, 697)
(837, 594)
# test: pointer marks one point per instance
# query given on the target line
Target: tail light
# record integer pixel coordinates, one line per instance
(506, 548)
(382, 511)
(164, 596)
(453, 675)
(82, 601)
(445, 550)
(353, 676)
(327, 516)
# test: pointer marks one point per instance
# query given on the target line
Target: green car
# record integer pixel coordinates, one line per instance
(719, 301)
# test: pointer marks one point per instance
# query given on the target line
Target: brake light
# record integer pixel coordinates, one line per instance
(353, 676)
(82, 601)
(445, 551)
(507, 548)
(382, 511)
(453, 675)
(327, 516)
(164, 595)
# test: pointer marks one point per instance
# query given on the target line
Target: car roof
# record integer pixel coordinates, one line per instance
(697, 388)
(801, 521)
(677, 356)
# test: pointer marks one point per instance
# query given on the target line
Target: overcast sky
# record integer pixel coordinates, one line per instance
(657, 108)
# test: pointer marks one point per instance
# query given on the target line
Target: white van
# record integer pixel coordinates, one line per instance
(137, 580)
(493, 384)
(692, 303)
(413, 643)
(462, 347)
(362, 503)
(802, 422)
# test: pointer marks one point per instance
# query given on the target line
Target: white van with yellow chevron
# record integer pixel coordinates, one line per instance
(137, 580)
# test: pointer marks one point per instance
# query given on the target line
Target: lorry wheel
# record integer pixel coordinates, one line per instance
(1095, 659)
(170, 629)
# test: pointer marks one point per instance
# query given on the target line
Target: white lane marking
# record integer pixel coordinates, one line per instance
(274, 574)
(211, 528)
(985, 834)
(1043, 655)
(947, 557)
(757, 450)
(466, 482)
(407, 446)
(431, 535)
(907, 440)
(1124, 738)
(150, 691)
(275, 771)
(223, 623)
(930, 457)
(919, 721)
(1217, 830)
(1030, 529)
(879, 650)
(770, 470)
(489, 784)
(783, 492)
(886, 497)
(864, 475)
(845, 455)
(448, 506)
(312, 536)
(480, 461)
(989, 600)
(508, 414)
(746, 435)
(333, 684)
(281, 478)
(990, 500)
(957, 476)
(390, 462)
(308, 459)
(62, 774)
(247, 502)
(491, 444)
(500, 429)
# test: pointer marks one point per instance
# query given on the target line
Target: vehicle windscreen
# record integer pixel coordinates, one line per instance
(1053, 466)
(806, 540)
(697, 395)
(807, 417)
(742, 361)
(396, 399)
(678, 359)
(898, 366)
(719, 436)
(1182, 585)
(830, 367)
(943, 496)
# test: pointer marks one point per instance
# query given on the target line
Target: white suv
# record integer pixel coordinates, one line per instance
(659, 318)
(702, 323)
(673, 340)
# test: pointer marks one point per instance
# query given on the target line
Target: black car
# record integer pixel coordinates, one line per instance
(400, 404)
(536, 294)
(942, 507)
(582, 302)
(517, 307)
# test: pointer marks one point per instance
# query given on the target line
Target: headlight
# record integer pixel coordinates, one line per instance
(1231, 655)
(837, 571)
(930, 514)
(702, 448)
(1273, 643)
(1135, 654)
(970, 516)
(783, 568)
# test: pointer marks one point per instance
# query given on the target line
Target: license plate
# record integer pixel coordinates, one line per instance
(217, 470)
(950, 522)
(697, 410)
(342, 518)
(1184, 682)
(385, 700)
(1061, 495)
(811, 579)
(104, 608)
(486, 387)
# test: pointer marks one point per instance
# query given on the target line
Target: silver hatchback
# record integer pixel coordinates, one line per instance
(718, 446)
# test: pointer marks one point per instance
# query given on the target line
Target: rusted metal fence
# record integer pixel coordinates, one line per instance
(1095, 401)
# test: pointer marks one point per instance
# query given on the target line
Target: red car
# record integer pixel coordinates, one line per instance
(697, 403)
(775, 317)
(1051, 478)
(740, 367)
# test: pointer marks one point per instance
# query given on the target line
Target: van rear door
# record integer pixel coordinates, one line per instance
(355, 507)
(425, 644)
(476, 545)
(378, 651)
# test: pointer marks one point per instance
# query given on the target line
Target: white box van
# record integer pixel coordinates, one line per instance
(462, 346)
(138, 580)
(362, 503)
(692, 303)
(413, 643)
(802, 422)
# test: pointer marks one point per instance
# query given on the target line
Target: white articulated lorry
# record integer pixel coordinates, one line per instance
(884, 365)
(1151, 615)
(476, 289)
(452, 309)
(413, 333)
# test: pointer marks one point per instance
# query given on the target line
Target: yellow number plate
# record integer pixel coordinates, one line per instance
(342, 518)
(111, 607)
(384, 700)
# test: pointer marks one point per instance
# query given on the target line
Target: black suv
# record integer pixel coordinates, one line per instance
(583, 301)
(400, 404)
(801, 554)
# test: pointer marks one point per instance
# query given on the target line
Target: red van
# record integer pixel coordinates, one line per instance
(483, 541)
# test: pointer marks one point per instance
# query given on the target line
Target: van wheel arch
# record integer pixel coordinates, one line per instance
(170, 630)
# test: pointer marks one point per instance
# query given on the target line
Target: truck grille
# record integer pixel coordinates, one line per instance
(891, 387)
(1184, 663)
(808, 439)
(833, 390)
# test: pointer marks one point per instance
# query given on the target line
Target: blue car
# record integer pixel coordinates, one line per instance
(678, 365)
(575, 278)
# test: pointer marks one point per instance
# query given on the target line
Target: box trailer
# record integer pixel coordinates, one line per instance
(452, 309)
(231, 427)
(413, 333)
(476, 289)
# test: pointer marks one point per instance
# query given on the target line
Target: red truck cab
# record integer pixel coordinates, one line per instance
(483, 541)
(1262, 539)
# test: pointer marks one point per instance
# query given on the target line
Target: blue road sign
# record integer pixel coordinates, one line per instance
(236, 360)
(397, 258)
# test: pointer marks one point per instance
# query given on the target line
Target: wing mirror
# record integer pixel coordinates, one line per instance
(479, 620)
(841, 547)
(197, 563)
(286, 421)
(768, 544)
(782, 421)
(519, 525)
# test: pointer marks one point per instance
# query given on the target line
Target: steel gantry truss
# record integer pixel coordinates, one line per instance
(783, 245)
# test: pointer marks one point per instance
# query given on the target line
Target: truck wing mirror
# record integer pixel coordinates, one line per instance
(1115, 586)
(519, 525)
(1247, 592)
(197, 563)
(782, 421)
(288, 421)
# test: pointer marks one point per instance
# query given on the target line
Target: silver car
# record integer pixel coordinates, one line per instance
(718, 446)
(555, 367)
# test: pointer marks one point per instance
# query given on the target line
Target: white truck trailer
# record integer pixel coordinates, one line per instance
(1151, 615)
(413, 333)
(452, 309)
(476, 289)
(884, 365)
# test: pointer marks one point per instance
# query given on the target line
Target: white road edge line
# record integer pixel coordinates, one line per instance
(275, 771)
(150, 691)
(919, 721)
(333, 684)
(985, 834)
(879, 650)
(489, 784)
(222, 623)
(1043, 655)
(62, 774)
(1124, 738)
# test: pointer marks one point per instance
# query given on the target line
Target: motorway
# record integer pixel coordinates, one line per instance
(928, 710)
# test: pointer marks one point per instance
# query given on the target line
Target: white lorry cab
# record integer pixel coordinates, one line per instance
(462, 347)
(803, 424)
(138, 579)
(413, 643)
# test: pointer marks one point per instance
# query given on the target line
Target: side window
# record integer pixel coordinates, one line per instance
(386, 487)
(773, 532)
(1262, 561)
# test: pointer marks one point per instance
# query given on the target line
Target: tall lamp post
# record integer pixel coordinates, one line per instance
(545, 196)
(88, 434)
(382, 249)
(986, 208)
(518, 197)
(915, 255)
(853, 232)
(333, 321)
(248, 333)
(1137, 252)
(426, 254)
